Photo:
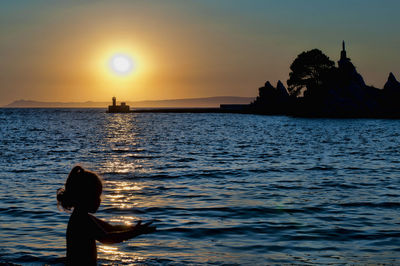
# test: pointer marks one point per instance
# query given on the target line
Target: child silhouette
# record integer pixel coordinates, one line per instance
(81, 194)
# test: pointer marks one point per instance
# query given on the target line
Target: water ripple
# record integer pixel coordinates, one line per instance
(223, 189)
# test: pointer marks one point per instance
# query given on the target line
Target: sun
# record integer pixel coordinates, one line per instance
(121, 64)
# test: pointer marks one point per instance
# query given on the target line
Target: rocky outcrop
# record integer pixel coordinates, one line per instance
(282, 89)
(354, 95)
(390, 98)
(391, 85)
(271, 100)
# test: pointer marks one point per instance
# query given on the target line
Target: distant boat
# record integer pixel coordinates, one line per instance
(114, 108)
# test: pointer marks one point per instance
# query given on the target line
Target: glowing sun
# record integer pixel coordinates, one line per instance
(121, 64)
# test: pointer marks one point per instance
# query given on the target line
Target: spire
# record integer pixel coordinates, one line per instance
(343, 55)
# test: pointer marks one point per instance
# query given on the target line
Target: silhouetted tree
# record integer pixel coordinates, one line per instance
(309, 70)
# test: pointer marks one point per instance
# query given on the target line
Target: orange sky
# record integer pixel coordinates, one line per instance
(58, 51)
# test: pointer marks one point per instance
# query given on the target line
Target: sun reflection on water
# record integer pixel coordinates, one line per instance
(127, 220)
(119, 166)
(122, 144)
(128, 193)
(112, 253)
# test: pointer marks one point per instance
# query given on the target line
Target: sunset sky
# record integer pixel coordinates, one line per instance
(61, 50)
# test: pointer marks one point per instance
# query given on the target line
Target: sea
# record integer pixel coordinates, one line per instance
(222, 189)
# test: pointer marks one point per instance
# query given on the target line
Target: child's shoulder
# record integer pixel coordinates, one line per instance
(86, 224)
(81, 220)
(78, 217)
(83, 217)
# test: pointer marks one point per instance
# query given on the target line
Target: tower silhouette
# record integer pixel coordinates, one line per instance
(343, 54)
(114, 108)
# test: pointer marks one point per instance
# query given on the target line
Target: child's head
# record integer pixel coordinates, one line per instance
(82, 190)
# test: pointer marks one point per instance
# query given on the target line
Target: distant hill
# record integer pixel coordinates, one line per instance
(189, 102)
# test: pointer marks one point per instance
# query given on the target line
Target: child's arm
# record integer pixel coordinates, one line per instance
(109, 227)
(111, 237)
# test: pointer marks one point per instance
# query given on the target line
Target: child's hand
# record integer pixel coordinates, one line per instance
(144, 228)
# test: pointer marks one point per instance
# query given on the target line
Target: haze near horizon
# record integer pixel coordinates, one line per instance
(75, 51)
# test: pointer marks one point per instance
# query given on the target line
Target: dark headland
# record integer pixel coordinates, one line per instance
(317, 88)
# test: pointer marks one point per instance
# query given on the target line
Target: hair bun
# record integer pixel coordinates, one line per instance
(60, 194)
(77, 170)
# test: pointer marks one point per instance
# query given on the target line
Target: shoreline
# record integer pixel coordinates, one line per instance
(198, 110)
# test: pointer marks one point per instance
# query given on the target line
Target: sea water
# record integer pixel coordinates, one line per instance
(221, 188)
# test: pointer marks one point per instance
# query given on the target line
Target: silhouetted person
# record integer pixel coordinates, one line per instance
(81, 194)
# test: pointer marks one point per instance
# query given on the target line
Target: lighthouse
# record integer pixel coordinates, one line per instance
(114, 108)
